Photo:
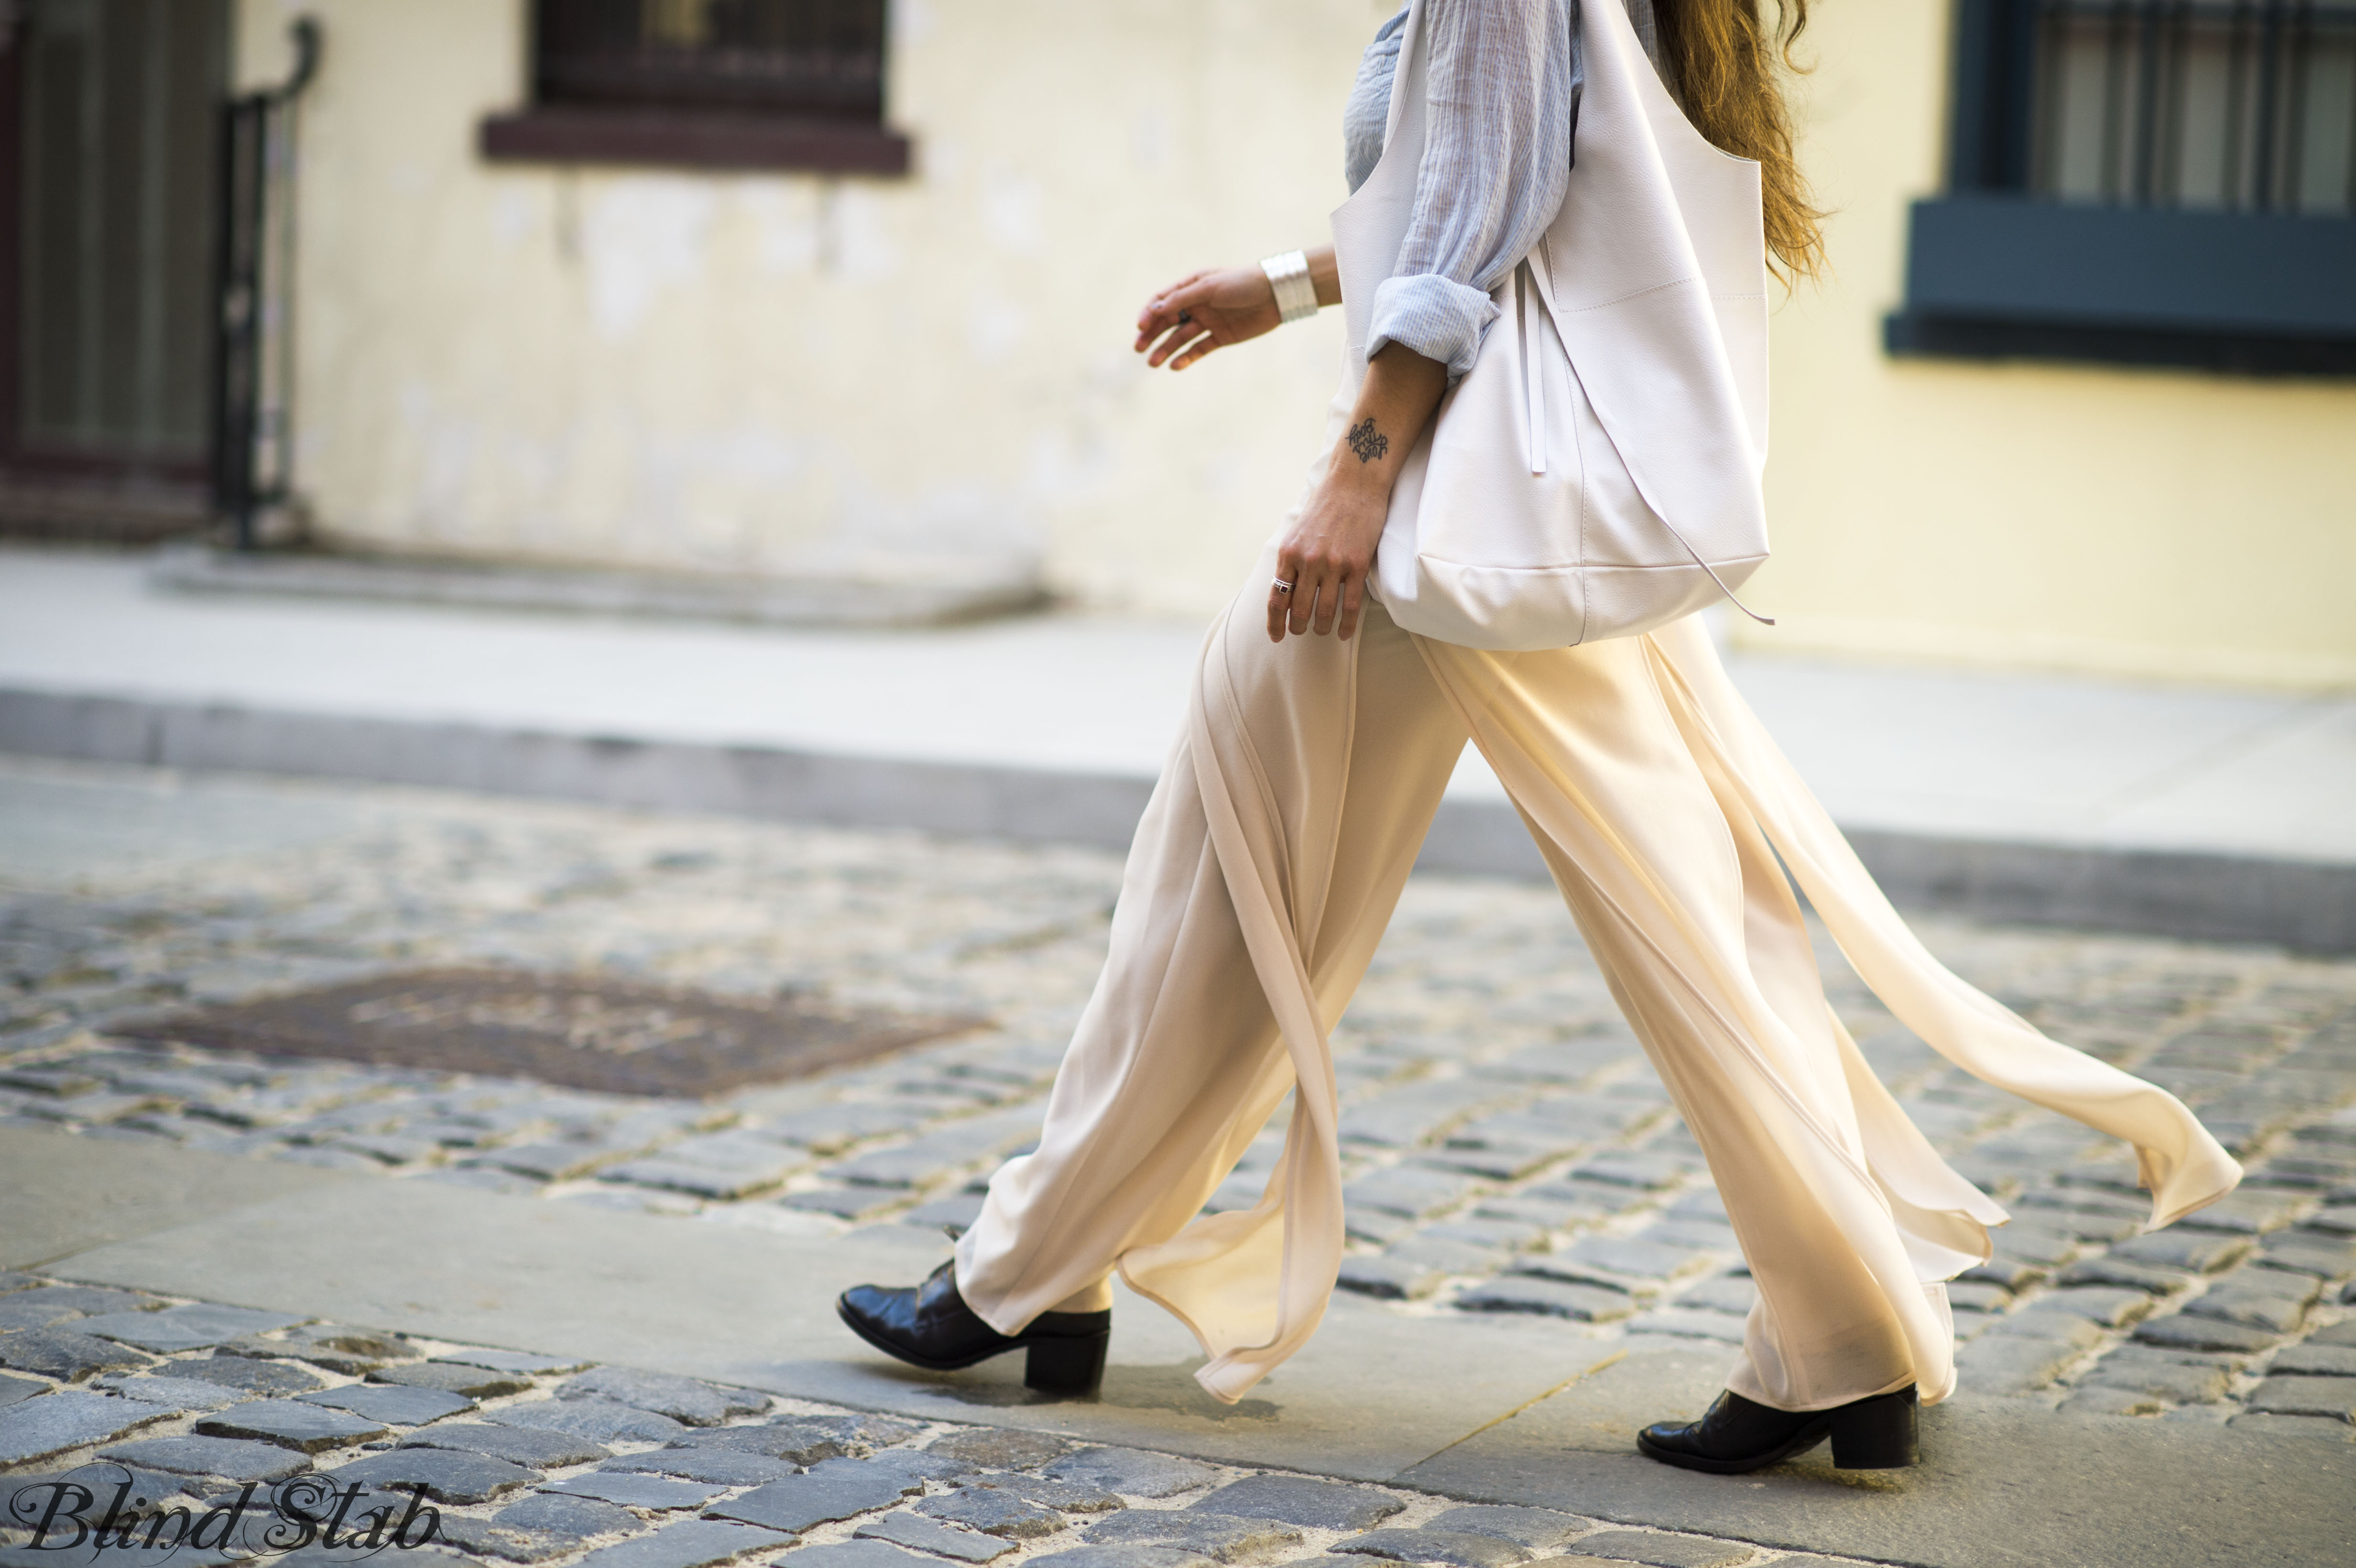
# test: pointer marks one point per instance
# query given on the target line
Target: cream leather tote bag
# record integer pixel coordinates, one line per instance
(1597, 472)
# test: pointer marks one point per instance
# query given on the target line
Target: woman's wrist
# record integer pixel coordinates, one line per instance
(1289, 278)
(1325, 273)
(1350, 476)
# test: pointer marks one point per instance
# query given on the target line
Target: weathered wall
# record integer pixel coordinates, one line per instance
(2145, 522)
(760, 373)
(933, 375)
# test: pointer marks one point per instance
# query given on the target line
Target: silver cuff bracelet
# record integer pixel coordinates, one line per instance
(1296, 296)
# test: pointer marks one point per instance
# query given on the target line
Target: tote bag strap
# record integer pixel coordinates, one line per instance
(1371, 225)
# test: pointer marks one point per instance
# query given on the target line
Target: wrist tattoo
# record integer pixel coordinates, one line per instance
(1366, 441)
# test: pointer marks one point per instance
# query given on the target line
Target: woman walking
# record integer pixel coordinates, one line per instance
(1321, 734)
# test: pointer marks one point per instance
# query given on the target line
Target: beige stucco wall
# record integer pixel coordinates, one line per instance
(2143, 522)
(771, 373)
(932, 375)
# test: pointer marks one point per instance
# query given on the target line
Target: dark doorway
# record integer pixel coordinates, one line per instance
(109, 119)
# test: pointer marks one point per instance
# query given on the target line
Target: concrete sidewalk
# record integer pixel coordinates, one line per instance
(2208, 812)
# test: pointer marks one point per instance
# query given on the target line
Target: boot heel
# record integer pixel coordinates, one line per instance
(1072, 1364)
(1877, 1434)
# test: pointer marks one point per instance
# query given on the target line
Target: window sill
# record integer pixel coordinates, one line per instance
(1994, 276)
(684, 139)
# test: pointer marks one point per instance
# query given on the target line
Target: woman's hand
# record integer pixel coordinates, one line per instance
(1205, 311)
(1324, 560)
(1330, 551)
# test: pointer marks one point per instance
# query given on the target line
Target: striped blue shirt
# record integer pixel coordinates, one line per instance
(1505, 84)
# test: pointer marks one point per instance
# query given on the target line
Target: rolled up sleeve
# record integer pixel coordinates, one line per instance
(1500, 96)
(1437, 317)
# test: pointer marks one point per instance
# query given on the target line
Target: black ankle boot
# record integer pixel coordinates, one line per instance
(930, 1325)
(1873, 1433)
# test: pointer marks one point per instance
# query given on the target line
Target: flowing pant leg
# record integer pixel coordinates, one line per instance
(2181, 1165)
(1663, 811)
(1707, 956)
(1266, 868)
(1258, 885)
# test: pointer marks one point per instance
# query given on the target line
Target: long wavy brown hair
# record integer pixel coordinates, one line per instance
(1724, 61)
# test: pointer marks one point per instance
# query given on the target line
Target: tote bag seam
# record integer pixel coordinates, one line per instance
(1688, 564)
(1636, 294)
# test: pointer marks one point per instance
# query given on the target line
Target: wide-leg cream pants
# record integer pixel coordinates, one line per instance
(1262, 875)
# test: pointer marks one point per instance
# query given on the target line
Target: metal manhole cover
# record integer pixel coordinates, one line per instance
(573, 1030)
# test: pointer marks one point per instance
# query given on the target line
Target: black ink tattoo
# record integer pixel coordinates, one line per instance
(1366, 441)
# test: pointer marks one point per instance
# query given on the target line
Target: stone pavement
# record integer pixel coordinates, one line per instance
(1517, 1179)
(535, 1459)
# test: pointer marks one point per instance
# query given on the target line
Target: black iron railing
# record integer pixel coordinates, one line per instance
(2217, 105)
(251, 433)
(2245, 105)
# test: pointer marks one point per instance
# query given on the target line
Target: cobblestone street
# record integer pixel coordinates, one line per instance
(1509, 1152)
(526, 1459)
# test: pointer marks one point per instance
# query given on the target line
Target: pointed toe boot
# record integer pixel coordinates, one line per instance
(1739, 1435)
(930, 1325)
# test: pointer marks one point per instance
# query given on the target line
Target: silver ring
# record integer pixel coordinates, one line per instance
(1282, 586)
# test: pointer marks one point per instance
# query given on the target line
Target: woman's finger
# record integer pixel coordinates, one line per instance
(1160, 340)
(1329, 600)
(1172, 291)
(1196, 350)
(1182, 337)
(1351, 597)
(1160, 307)
(1307, 583)
(1178, 334)
(1173, 303)
(1168, 317)
(1279, 602)
(1157, 318)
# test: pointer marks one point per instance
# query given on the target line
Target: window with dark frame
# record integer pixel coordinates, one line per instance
(2224, 106)
(709, 84)
(2166, 182)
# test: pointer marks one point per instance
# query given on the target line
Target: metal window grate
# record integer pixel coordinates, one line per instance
(2230, 105)
(803, 57)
